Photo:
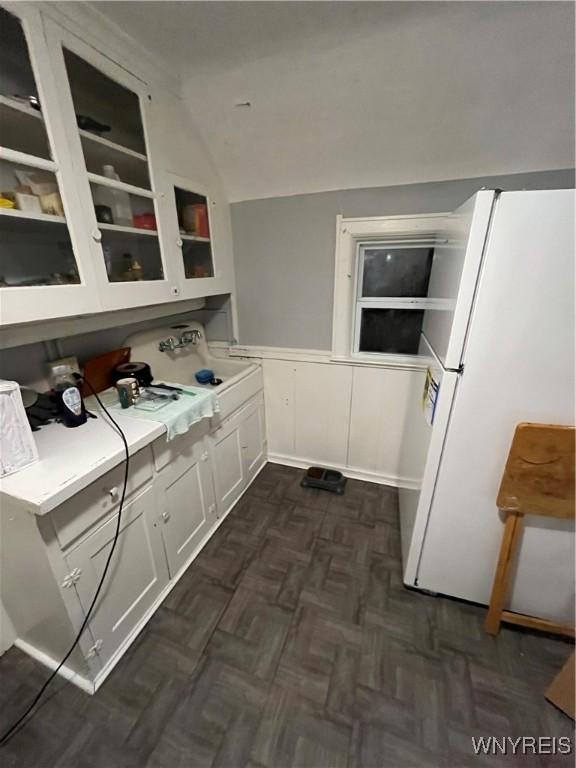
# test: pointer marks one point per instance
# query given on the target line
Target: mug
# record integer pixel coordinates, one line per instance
(128, 391)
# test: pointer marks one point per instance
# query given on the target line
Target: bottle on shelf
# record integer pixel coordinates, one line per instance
(116, 199)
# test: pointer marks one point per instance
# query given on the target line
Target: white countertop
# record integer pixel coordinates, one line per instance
(72, 458)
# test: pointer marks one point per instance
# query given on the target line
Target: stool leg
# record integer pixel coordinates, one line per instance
(512, 531)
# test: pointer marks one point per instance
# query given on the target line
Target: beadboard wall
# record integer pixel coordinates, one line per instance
(345, 416)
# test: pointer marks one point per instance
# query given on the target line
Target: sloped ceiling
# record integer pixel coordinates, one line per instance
(358, 94)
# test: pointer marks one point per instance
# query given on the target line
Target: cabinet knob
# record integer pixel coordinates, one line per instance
(96, 235)
(179, 243)
(165, 516)
(113, 493)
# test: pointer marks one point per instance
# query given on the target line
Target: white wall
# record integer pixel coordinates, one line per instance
(350, 95)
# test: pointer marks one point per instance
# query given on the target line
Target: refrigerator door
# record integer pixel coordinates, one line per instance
(454, 276)
(431, 398)
(519, 367)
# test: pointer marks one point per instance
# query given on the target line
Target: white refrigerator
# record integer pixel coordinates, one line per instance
(502, 352)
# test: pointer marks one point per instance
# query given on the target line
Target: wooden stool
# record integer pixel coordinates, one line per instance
(538, 480)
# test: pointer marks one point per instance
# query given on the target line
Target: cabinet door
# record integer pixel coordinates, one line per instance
(253, 439)
(107, 115)
(200, 262)
(228, 464)
(45, 265)
(238, 450)
(186, 503)
(137, 574)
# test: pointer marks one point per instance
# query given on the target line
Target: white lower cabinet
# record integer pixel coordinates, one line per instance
(185, 494)
(176, 493)
(253, 440)
(238, 451)
(137, 574)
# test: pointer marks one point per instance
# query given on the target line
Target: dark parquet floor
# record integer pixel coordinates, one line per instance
(291, 643)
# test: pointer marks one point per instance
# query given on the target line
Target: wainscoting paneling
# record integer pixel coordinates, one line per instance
(349, 417)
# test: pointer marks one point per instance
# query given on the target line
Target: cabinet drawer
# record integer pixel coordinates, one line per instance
(239, 393)
(166, 453)
(90, 505)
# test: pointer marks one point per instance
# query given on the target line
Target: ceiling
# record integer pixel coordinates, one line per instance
(360, 94)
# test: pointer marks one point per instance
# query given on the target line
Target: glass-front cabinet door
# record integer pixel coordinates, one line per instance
(107, 118)
(195, 252)
(43, 273)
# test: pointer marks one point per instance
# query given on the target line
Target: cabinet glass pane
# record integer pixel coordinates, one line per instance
(35, 252)
(194, 226)
(398, 272)
(103, 107)
(21, 123)
(394, 331)
(131, 257)
(197, 259)
(115, 206)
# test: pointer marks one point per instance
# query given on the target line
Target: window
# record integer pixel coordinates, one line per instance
(383, 268)
(391, 286)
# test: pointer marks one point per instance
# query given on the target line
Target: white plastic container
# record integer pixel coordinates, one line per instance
(116, 199)
(17, 445)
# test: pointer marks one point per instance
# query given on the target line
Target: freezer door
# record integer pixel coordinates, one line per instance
(454, 275)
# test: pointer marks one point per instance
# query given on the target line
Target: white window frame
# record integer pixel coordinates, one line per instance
(351, 234)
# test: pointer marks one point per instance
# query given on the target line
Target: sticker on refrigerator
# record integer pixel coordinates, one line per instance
(430, 395)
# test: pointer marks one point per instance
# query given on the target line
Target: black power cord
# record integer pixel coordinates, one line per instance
(15, 726)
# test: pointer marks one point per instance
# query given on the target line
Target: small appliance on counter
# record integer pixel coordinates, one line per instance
(139, 371)
(69, 402)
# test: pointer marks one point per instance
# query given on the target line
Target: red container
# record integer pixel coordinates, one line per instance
(144, 221)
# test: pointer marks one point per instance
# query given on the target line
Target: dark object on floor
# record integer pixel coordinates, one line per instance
(324, 480)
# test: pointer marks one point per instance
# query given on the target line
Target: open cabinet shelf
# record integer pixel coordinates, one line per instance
(14, 213)
(194, 238)
(127, 230)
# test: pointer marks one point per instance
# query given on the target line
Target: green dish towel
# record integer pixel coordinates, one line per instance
(193, 405)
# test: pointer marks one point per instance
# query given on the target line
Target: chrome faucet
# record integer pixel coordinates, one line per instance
(190, 337)
(186, 338)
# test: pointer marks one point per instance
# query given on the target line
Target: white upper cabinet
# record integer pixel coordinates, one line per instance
(92, 215)
(193, 241)
(108, 118)
(45, 267)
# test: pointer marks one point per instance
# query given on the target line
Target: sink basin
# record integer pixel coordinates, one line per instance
(180, 365)
(240, 380)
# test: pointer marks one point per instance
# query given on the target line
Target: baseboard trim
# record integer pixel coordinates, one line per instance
(352, 472)
(68, 674)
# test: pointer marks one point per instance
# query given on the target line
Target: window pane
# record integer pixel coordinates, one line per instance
(395, 331)
(396, 271)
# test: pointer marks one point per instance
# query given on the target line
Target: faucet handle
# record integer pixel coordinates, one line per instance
(168, 345)
(190, 337)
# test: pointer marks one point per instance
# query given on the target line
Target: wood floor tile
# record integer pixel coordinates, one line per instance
(292, 642)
